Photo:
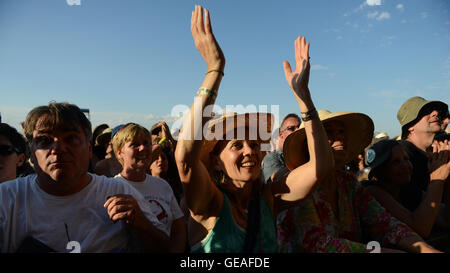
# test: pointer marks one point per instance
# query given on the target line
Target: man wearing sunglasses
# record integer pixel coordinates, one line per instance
(64, 208)
(421, 120)
(12, 152)
(273, 162)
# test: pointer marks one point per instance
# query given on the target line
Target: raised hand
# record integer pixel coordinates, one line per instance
(298, 80)
(440, 161)
(205, 42)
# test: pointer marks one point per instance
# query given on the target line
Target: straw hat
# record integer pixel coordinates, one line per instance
(231, 126)
(358, 135)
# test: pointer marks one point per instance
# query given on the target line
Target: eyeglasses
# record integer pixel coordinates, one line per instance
(6, 150)
(290, 128)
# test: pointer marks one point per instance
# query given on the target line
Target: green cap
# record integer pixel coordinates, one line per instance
(410, 110)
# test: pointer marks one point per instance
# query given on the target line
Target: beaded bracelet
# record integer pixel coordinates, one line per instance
(309, 115)
(215, 70)
(208, 92)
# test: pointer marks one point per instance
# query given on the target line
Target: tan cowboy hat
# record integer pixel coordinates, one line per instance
(358, 133)
(231, 125)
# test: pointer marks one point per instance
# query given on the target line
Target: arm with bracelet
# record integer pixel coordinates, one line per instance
(302, 179)
(193, 174)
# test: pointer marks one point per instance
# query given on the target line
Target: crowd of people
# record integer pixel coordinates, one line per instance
(328, 185)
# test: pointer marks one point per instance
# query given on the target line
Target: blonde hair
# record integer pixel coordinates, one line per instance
(128, 133)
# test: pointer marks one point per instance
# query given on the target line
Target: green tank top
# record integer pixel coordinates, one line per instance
(228, 237)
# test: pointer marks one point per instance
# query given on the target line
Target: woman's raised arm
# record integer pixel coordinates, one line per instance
(299, 182)
(202, 196)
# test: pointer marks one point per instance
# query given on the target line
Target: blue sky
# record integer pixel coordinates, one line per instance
(135, 60)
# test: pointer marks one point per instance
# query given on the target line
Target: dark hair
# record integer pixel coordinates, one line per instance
(60, 115)
(18, 141)
(379, 171)
(291, 115)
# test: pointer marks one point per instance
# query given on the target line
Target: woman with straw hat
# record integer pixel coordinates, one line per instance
(340, 215)
(231, 210)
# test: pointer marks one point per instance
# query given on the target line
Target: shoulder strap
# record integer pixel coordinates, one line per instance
(253, 221)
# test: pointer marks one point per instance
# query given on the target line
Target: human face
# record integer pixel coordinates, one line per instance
(430, 123)
(62, 154)
(336, 138)
(160, 164)
(9, 160)
(109, 150)
(289, 126)
(398, 167)
(136, 154)
(241, 160)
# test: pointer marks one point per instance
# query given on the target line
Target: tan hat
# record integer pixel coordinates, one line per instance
(104, 137)
(381, 136)
(358, 133)
(250, 121)
(410, 109)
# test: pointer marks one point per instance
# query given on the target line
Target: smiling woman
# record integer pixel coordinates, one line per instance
(219, 160)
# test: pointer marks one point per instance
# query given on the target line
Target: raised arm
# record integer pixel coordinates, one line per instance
(202, 196)
(298, 183)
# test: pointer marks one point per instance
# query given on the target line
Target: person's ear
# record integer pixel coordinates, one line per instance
(20, 160)
(118, 153)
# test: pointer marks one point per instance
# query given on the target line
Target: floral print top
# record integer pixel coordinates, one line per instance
(312, 226)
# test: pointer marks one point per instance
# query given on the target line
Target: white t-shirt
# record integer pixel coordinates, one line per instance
(160, 196)
(26, 210)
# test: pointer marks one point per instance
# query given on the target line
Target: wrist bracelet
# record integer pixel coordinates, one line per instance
(208, 92)
(215, 70)
(309, 112)
(309, 115)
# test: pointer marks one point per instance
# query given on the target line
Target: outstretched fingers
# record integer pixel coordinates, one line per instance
(207, 25)
(200, 24)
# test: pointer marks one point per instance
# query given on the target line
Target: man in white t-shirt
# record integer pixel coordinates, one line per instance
(133, 148)
(63, 208)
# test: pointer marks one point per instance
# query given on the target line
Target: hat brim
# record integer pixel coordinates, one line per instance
(358, 135)
(103, 138)
(248, 126)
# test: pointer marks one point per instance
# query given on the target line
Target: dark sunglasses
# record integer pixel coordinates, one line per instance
(291, 128)
(8, 149)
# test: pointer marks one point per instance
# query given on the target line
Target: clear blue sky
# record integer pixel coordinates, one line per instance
(135, 60)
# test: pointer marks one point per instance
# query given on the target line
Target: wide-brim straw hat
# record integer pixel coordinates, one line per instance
(358, 135)
(248, 126)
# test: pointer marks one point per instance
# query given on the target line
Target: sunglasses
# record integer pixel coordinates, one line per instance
(8, 149)
(291, 128)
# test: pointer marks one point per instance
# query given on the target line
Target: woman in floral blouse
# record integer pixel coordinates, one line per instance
(340, 215)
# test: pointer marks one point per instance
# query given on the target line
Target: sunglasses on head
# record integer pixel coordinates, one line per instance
(7, 150)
